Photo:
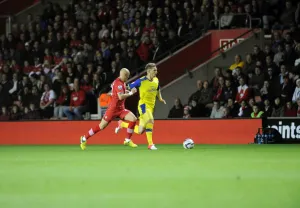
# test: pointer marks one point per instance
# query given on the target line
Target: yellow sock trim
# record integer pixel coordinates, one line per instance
(124, 125)
(136, 129)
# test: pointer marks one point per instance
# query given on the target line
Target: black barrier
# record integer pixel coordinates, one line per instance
(289, 128)
(267, 136)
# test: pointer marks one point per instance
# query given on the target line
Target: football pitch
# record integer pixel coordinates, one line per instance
(209, 176)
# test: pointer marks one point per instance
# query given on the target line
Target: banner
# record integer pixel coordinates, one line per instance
(233, 131)
(222, 37)
(289, 128)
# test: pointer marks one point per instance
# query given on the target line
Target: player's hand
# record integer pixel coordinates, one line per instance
(71, 108)
(133, 90)
(162, 100)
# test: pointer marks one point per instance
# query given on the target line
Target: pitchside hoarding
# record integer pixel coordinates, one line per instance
(289, 128)
(208, 131)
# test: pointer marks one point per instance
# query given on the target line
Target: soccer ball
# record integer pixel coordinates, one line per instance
(188, 144)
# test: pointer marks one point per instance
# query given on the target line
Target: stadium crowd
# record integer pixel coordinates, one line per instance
(56, 65)
(265, 84)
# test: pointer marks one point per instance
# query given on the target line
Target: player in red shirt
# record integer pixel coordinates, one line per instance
(116, 109)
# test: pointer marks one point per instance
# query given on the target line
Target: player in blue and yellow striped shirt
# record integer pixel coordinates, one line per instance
(149, 90)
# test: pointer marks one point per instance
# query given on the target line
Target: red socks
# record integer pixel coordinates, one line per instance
(92, 131)
(130, 129)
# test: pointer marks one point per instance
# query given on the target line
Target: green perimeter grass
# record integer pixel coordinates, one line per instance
(209, 176)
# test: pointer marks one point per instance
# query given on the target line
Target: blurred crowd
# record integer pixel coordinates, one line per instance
(56, 64)
(263, 83)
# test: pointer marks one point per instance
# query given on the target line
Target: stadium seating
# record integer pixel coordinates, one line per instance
(88, 42)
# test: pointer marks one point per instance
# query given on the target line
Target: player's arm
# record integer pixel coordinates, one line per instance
(131, 89)
(123, 96)
(136, 84)
(160, 97)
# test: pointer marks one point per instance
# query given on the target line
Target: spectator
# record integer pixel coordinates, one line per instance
(271, 64)
(293, 76)
(4, 116)
(186, 112)
(196, 95)
(289, 110)
(226, 19)
(227, 113)
(243, 107)
(278, 109)
(257, 113)
(296, 94)
(47, 101)
(206, 95)
(237, 62)
(249, 65)
(40, 83)
(298, 108)
(279, 55)
(265, 91)
(232, 107)
(24, 83)
(19, 102)
(131, 62)
(290, 55)
(268, 52)
(229, 90)
(228, 76)
(258, 54)
(283, 73)
(182, 28)
(288, 15)
(62, 101)
(14, 85)
(219, 94)
(33, 113)
(58, 82)
(257, 81)
(217, 110)
(77, 104)
(247, 111)
(144, 49)
(177, 110)
(267, 108)
(172, 40)
(35, 96)
(15, 114)
(243, 92)
(214, 83)
(286, 90)
(195, 109)
(5, 99)
(157, 50)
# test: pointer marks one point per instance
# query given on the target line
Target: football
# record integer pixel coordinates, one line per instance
(188, 144)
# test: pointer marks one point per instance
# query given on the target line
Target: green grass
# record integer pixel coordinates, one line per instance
(209, 176)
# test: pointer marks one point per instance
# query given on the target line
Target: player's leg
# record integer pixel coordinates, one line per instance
(130, 118)
(138, 129)
(109, 115)
(149, 130)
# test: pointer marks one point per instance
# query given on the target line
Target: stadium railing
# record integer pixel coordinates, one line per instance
(5, 24)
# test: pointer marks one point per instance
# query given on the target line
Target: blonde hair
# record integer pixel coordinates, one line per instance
(150, 66)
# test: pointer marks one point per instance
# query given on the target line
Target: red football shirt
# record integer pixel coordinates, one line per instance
(77, 98)
(118, 86)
